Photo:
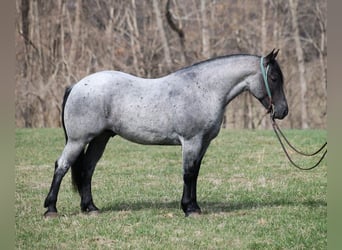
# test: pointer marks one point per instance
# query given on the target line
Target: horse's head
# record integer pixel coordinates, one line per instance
(269, 90)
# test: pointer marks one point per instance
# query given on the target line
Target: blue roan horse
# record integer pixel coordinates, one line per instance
(183, 108)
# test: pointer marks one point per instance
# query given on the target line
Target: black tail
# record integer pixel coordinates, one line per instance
(66, 95)
(76, 168)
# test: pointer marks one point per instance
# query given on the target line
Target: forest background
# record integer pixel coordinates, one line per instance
(59, 42)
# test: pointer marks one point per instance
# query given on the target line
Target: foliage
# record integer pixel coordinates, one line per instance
(250, 196)
(59, 42)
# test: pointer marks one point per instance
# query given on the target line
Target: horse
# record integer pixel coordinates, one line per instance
(183, 108)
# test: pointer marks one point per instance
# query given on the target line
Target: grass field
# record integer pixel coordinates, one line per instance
(251, 198)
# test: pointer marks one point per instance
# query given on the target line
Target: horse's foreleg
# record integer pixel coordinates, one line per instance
(189, 198)
(92, 156)
(193, 153)
(69, 155)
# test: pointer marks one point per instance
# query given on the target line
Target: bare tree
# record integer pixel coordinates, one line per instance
(317, 16)
(205, 30)
(134, 37)
(301, 66)
(161, 30)
(178, 29)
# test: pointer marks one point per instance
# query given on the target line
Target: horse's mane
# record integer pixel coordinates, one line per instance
(223, 57)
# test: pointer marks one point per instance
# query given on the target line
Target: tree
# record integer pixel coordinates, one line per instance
(205, 31)
(160, 26)
(301, 66)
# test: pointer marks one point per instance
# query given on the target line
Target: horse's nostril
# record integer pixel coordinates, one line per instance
(281, 113)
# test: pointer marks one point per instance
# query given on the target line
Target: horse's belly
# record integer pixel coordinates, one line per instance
(146, 131)
(152, 140)
(149, 137)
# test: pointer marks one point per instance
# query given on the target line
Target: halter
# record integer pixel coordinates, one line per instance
(268, 90)
(264, 75)
(277, 130)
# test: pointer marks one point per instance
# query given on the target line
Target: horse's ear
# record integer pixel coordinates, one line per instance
(275, 53)
(271, 56)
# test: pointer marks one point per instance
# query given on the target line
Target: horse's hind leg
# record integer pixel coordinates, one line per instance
(69, 155)
(92, 156)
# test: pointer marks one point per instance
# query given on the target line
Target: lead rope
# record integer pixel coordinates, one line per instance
(278, 131)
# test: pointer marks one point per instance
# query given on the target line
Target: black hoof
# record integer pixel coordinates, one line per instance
(90, 209)
(191, 208)
(50, 214)
(93, 213)
(194, 213)
(51, 211)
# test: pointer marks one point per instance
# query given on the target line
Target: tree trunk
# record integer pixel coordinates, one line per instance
(178, 29)
(205, 31)
(75, 32)
(301, 66)
(162, 35)
(322, 46)
(264, 122)
(134, 38)
(263, 28)
(25, 8)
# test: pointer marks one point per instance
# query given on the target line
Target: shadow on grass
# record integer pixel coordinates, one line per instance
(216, 207)
(212, 207)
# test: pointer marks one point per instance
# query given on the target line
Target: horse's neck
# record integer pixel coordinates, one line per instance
(232, 77)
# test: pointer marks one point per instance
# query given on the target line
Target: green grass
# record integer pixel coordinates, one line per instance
(251, 198)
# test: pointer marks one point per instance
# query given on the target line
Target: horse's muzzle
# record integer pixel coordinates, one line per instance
(279, 112)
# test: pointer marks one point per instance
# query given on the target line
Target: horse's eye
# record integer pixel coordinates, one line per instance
(273, 78)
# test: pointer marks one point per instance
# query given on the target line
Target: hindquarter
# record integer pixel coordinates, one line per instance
(85, 112)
